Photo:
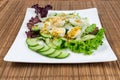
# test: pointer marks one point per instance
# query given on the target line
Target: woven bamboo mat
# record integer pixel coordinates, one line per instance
(12, 13)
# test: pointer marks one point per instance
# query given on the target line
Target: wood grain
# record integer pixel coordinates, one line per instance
(12, 13)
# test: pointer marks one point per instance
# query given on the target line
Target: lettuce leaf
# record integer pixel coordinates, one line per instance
(87, 46)
(90, 28)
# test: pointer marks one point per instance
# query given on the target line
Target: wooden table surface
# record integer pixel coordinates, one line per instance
(12, 13)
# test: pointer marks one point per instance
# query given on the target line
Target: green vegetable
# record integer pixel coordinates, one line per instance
(46, 35)
(90, 28)
(87, 37)
(35, 28)
(34, 45)
(52, 14)
(87, 46)
(50, 43)
(32, 41)
(59, 43)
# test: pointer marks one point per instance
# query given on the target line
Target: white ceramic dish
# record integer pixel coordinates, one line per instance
(19, 51)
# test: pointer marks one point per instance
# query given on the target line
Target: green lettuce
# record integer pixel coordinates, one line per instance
(87, 46)
(90, 28)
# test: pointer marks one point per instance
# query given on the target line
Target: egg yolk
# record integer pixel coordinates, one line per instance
(73, 32)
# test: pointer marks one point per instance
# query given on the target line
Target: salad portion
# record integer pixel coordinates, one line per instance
(52, 34)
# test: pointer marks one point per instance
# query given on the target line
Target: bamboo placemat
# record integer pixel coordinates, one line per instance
(12, 13)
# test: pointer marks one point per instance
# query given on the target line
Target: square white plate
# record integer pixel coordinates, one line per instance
(19, 51)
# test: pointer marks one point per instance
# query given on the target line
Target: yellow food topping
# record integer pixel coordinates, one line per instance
(78, 21)
(56, 32)
(44, 29)
(73, 32)
(56, 21)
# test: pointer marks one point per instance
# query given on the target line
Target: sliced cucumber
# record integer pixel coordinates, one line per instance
(52, 14)
(55, 54)
(87, 37)
(49, 43)
(44, 49)
(34, 44)
(36, 48)
(35, 28)
(32, 41)
(48, 52)
(46, 35)
(63, 55)
(57, 42)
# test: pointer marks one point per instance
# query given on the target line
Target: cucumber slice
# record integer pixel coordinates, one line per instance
(32, 41)
(48, 52)
(57, 42)
(44, 49)
(52, 14)
(35, 28)
(46, 35)
(55, 54)
(63, 55)
(87, 37)
(36, 48)
(49, 43)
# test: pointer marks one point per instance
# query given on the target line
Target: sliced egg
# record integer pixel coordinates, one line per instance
(59, 23)
(46, 27)
(56, 21)
(74, 32)
(58, 32)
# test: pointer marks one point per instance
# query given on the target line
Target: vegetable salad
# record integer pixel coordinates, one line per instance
(66, 31)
